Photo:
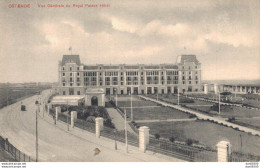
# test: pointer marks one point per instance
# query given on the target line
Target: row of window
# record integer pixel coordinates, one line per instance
(190, 78)
(189, 67)
(90, 73)
(148, 78)
(63, 74)
(111, 73)
(108, 83)
(149, 73)
(70, 84)
(152, 72)
(183, 73)
(132, 73)
(149, 90)
(70, 68)
(183, 82)
(71, 92)
(172, 73)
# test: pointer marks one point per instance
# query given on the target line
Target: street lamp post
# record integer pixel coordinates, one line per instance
(67, 116)
(126, 143)
(115, 140)
(178, 97)
(42, 105)
(235, 92)
(218, 103)
(241, 142)
(116, 99)
(131, 108)
(7, 95)
(36, 131)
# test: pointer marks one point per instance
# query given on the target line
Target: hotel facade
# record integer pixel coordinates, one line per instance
(75, 78)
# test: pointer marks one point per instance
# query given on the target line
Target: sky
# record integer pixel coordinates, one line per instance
(223, 34)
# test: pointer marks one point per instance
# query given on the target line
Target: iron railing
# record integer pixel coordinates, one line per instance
(240, 157)
(14, 152)
(162, 146)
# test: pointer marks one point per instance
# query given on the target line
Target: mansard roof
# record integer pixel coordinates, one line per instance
(70, 59)
(186, 58)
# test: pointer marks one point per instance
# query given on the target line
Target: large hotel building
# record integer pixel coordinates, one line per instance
(75, 77)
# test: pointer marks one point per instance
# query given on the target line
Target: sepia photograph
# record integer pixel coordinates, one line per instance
(129, 81)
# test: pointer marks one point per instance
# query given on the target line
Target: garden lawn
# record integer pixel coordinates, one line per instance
(156, 113)
(249, 122)
(135, 103)
(206, 133)
(239, 112)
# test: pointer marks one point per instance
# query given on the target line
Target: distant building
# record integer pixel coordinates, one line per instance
(75, 77)
(232, 88)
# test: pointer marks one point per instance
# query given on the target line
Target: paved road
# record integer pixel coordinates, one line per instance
(167, 120)
(56, 144)
(205, 117)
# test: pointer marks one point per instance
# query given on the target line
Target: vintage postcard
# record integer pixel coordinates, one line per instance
(129, 81)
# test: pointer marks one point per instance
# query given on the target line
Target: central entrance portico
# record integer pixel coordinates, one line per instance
(95, 97)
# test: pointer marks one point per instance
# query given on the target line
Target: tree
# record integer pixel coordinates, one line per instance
(226, 93)
(172, 139)
(214, 107)
(157, 136)
(189, 142)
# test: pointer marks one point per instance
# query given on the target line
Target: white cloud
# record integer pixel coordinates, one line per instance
(76, 27)
(151, 28)
(157, 27)
(192, 35)
(234, 38)
(121, 25)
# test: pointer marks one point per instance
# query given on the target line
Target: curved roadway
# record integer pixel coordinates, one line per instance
(57, 144)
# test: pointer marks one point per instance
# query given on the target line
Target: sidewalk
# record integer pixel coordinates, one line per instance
(118, 120)
(133, 152)
(167, 120)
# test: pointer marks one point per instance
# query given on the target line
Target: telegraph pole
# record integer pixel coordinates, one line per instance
(36, 136)
(42, 107)
(126, 143)
(42, 103)
(131, 108)
(7, 95)
(67, 116)
(218, 103)
(241, 141)
(235, 92)
(36, 131)
(178, 97)
(116, 98)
